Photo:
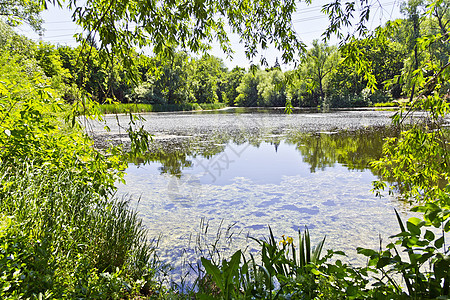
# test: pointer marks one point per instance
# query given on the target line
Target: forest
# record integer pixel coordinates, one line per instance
(64, 234)
(322, 79)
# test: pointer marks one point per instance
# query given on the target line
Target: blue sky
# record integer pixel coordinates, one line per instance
(308, 21)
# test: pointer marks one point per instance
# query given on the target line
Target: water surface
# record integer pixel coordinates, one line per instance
(255, 169)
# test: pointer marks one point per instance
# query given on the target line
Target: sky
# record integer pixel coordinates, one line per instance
(309, 23)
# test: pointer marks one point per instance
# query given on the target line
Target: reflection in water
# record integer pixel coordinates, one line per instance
(352, 149)
(260, 178)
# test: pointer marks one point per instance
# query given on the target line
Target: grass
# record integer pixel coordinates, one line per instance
(386, 104)
(139, 107)
(73, 242)
(395, 103)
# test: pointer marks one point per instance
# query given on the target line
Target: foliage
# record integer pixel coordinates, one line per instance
(425, 272)
(63, 235)
(83, 72)
(286, 271)
(188, 25)
(15, 43)
(168, 80)
(138, 108)
(17, 12)
(233, 79)
(419, 160)
(318, 63)
(262, 88)
(207, 79)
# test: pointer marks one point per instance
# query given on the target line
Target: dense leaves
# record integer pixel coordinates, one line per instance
(64, 236)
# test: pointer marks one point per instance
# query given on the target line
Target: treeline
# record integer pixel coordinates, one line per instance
(323, 78)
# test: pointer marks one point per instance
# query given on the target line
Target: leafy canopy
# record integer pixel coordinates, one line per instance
(118, 26)
(17, 12)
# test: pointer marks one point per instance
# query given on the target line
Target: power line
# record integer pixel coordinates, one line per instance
(65, 29)
(63, 35)
(313, 18)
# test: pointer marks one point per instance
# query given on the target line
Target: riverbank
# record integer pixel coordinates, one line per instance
(121, 108)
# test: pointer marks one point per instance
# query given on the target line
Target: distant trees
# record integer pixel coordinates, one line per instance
(167, 81)
(323, 77)
(207, 79)
(318, 64)
(262, 88)
(232, 81)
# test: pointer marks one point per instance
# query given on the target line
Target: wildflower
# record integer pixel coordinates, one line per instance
(283, 241)
(286, 241)
(289, 240)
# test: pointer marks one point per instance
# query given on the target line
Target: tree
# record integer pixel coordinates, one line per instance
(272, 88)
(232, 81)
(419, 157)
(318, 63)
(412, 10)
(17, 12)
(206, 79)
(189, 25)
(169, 78)
(248, 89)
(15, 43)
(49, 60)
(262, 88)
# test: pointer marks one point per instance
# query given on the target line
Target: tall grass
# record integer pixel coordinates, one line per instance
(75, 235)
(139, 107)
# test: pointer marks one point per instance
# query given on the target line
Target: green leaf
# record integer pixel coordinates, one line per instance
(416, 221)
(367, 252)
(439, 242)
(415, 230)
(442, 267)
(402, 227)
(383, 261)
(429, 235)
(315, 271)
(232, 268)
(214, 272)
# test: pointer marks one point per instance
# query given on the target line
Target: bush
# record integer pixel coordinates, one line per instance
(144, 94)
(65, 235)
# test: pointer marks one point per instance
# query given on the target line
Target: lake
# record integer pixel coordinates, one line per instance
(235, 172)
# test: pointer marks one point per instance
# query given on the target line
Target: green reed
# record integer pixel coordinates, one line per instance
(119, 108)
(70, 235)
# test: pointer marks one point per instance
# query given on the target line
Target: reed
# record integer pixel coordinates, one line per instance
(121, 108)
(65, 227)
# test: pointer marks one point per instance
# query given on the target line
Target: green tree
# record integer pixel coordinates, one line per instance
(49, 60)
(17, 12)
(232, 81)
(168, 79)
(272, 88)
(248, 89)
(15, 43)
(262, 88)
(412, 11)
(316, 67)
(207, 78)
(347, 87)
(166, 25)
